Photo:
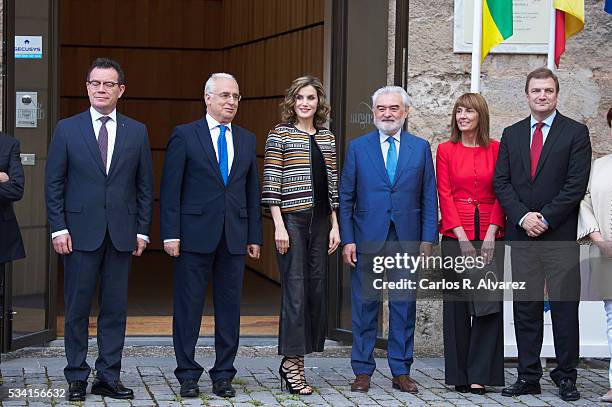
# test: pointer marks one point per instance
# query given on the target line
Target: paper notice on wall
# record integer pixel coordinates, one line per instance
(28, 46)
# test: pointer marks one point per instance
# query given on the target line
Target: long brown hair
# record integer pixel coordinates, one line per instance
(287, 106)
(479, 104)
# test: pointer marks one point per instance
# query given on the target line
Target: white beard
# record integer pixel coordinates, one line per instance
(389, 128)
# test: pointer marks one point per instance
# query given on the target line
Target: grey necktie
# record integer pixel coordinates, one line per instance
(103, 140)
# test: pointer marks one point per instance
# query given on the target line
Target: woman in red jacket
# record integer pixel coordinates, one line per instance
(472, 221)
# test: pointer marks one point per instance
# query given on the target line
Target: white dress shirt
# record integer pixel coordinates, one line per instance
(384, 144)
(545, 129)
(111, 127)
(213, 128)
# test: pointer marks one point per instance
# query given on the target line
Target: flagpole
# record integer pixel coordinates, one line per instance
(551, 37)
(476, 46)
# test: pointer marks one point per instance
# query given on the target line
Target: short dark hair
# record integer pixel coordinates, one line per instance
(106, 63)
(541, 73)
(610, 117)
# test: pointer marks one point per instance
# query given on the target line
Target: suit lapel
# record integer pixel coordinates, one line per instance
(404, 153)
(120, 138)
(89, 137)
(206, 142)
(551, 138)
(238, 153)
(375, 153)
(524, 134)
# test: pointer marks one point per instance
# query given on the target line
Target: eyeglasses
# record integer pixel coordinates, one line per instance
(225, 96)
(107, 85)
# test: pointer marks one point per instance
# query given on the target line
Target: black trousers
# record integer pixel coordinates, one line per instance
(473, 345)
(559, 267)
(303, 270)
(192, 272)
(82, 270)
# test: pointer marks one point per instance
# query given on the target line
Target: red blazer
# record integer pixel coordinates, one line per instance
(465, 181)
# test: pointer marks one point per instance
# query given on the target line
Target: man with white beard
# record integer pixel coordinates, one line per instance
(388, 205)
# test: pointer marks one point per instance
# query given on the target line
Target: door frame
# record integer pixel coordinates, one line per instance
(339, 24)
(8, 122)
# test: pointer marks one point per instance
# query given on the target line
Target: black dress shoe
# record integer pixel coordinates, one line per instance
(481, 391)
(189, 388)
(521, 387)
(77, 390)
(462, 388)
(223, 388)
(114, 390)
(568, 390)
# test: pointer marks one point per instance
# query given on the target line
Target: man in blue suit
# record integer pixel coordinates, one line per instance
(388, 205)
(99, 195)
(210, 218)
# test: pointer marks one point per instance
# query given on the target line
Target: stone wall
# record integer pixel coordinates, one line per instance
(437, 77)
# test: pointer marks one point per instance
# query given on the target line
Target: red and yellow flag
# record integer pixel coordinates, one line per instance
(569, 21)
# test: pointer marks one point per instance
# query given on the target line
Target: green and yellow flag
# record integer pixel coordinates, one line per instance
(496, 23)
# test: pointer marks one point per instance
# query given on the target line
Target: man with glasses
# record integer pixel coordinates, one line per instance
(99, 195)
(210, 218)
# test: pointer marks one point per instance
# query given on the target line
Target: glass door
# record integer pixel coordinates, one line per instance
(29, 113)
(360, 32)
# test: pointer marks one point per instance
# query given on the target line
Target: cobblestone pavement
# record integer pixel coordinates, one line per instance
(258, 384)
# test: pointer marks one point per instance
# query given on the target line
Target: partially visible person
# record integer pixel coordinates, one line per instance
(388, 206)
(99, 196)
(541, 175)
(305, 225)
(11, 190)
(471, 221)
(595, 226)
(210, 219)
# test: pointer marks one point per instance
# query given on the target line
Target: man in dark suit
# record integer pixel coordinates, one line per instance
(11, 190)
(540, 178)
(388, 206)
(210, 218)
(99, 192)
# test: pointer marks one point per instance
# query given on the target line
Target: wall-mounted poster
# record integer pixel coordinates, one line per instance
(531, 20)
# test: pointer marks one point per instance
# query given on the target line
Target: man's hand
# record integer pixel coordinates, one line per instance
(62, 244)
(141, 244)
(426, 249)
(254, 250)
(349, 254)
(534, 224)
(4, 177)
(172, 248)
(334, 240)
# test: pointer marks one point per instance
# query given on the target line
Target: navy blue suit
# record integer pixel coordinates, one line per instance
(11, 245)
(103, 214)
(215, 223)
(383, 218)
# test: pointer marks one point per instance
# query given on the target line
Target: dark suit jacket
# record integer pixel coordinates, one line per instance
(11, 245)
(83, 199)
(560, 180)
(196, 206)
(368, 199)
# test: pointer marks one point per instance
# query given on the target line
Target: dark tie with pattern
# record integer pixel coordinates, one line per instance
(536, 147)
(103, 140)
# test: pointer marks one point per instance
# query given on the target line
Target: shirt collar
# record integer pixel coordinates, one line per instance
(212, 123)
(95, 115)
(384, 137)
(548, 121)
